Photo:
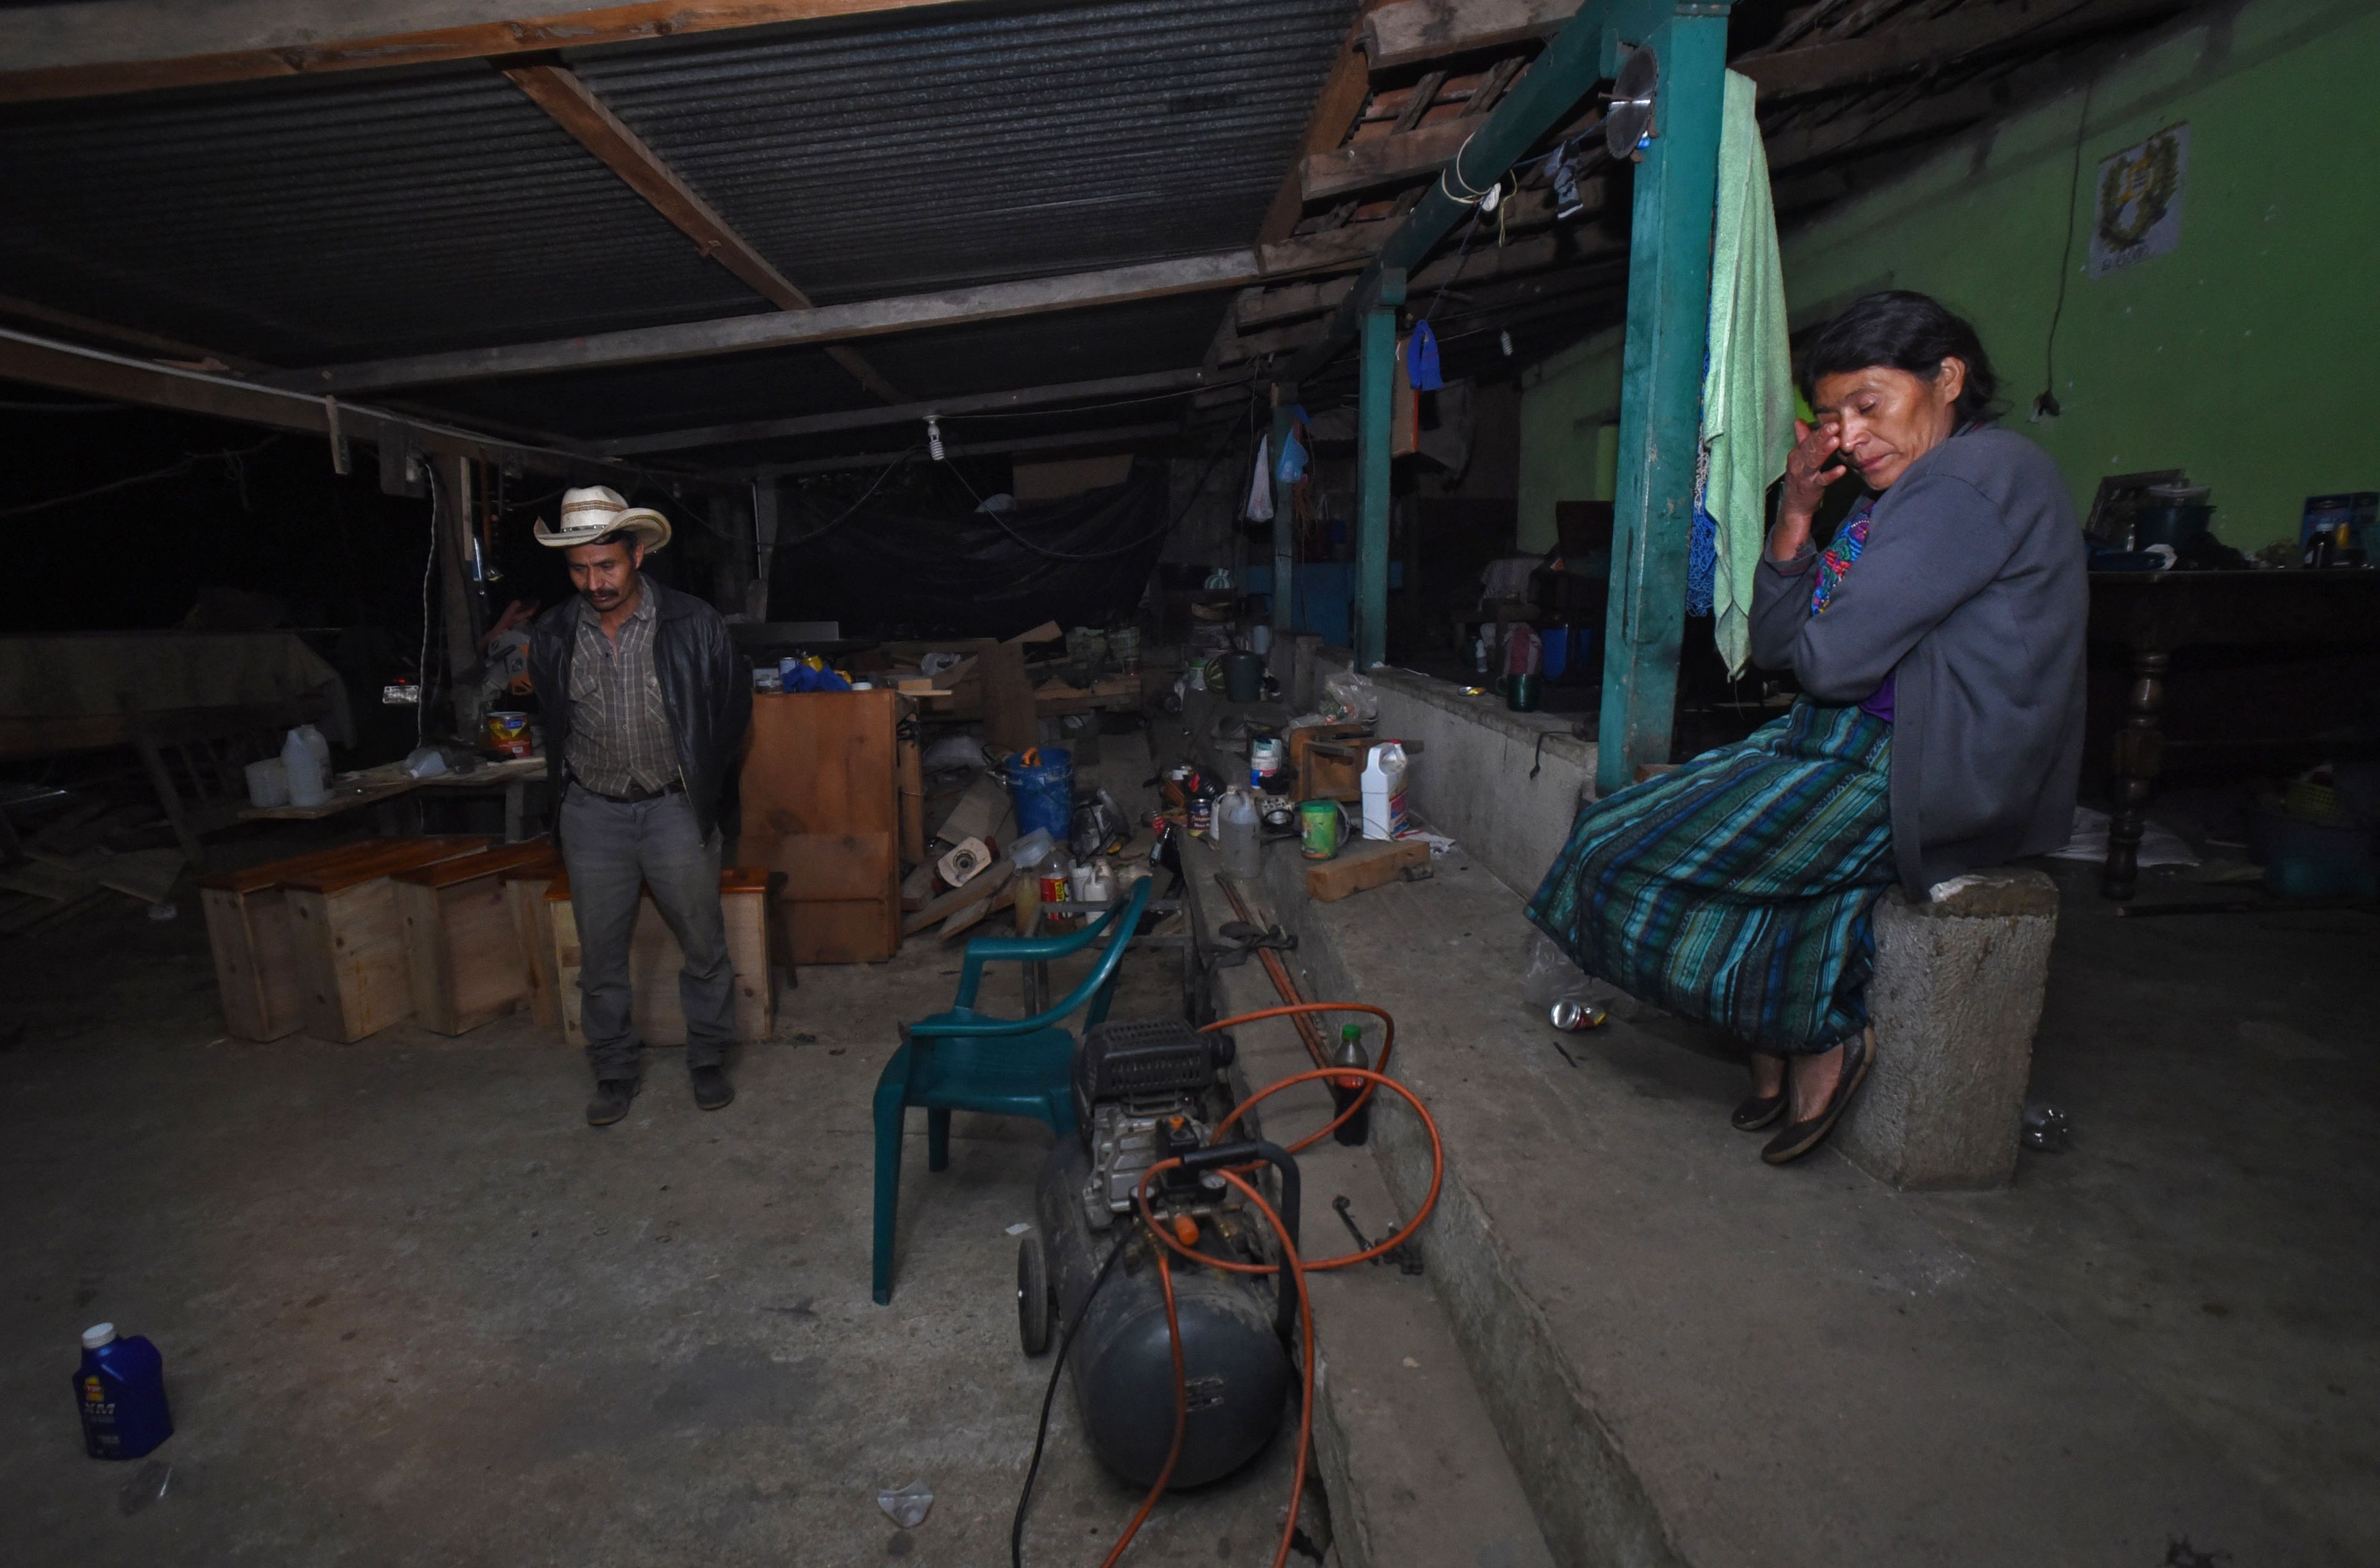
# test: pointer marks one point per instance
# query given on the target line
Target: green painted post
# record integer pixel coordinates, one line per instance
(1660, 397)
(1285, 526)
(1377, 400)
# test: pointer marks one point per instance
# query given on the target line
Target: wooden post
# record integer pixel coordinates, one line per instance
(1373, 435)
(913, 791)
(461, 597)
(1284, 523)
(1660, 397)
(764, 546)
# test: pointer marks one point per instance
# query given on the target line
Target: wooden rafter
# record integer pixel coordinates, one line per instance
(1335, 108)
(99, 47)
(574, 106)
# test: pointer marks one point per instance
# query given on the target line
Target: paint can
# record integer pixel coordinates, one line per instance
(1322, 827)
(508, 734)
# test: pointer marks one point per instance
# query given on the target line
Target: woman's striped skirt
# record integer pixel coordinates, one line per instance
(1737, 888)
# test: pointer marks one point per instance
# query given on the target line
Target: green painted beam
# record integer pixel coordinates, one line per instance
(1377, 402)
(1660, 396)
(1284, 524)
(1584, 51)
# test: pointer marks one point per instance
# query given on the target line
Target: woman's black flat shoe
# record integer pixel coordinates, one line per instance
(1756, 1110)
(1799, 1137)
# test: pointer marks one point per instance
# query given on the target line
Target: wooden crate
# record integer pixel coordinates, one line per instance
(464, 953)
(354, 978)
(524, 887)
(655, 958)
(247, 928)
(1324, 777)
(821, 805)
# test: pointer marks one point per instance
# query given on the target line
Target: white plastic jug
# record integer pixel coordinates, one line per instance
(320, 745)
(1384, 791)
(268, 784)
(307, 784)
(1237, 823)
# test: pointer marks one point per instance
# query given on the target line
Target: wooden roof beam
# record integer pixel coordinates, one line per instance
(844, 323)
(574, 106)
(94, 48)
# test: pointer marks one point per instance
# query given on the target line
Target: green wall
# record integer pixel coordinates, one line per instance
(2249, 356)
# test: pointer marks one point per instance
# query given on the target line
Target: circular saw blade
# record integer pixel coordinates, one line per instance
(1630, 114)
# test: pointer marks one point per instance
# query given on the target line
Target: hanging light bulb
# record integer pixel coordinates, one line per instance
(934, 437)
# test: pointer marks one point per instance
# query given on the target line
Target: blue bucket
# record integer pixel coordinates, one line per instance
(1556, 641)
(1044, 793)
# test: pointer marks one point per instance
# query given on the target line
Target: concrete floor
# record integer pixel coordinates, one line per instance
(414, 1311)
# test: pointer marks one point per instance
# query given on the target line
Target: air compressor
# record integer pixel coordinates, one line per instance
(1148, 1091)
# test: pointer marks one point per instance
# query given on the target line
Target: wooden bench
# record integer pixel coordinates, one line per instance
(655, 958)
(348, 940)
(466, 955)
(257, 972)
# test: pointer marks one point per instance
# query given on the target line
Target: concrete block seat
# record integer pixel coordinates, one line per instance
(1692, 1358)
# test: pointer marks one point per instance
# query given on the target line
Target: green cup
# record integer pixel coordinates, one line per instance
(1521, 692)
(1322, 827)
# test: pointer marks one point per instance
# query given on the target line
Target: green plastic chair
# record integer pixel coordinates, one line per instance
(964, 1060)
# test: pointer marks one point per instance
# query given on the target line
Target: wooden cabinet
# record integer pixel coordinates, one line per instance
(821, 806)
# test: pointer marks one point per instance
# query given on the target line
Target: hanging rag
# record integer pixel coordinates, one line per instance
(1259, 506)
(1748, 386)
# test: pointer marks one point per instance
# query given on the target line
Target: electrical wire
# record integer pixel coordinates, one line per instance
(15, 406)
(851, 511)
(1049, 1396)
(2047, 402)
(1197, 491)
(172, 471)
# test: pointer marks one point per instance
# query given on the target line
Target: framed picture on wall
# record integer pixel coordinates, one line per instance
(2137, 211)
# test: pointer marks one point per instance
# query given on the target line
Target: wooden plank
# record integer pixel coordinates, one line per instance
(942, 905)
(786, 329)
(574, 106)
(66, 367)
(820, 804)
(2029, 25)
(102, 46)
(1010, 723)
(1383, 159)
(1413, 32)
(1367, 863)
(1335, 108)
(1077, 441)
(1492, 262)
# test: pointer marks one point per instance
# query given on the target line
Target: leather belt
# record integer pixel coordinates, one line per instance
(637, 798)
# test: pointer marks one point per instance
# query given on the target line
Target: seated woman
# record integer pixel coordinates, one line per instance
(1937, 639)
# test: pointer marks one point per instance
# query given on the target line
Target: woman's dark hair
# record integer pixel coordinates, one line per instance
(1909, 332)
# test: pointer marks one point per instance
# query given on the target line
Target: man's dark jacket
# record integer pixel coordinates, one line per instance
(706, 687)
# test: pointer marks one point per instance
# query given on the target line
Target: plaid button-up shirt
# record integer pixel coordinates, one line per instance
(620, 737)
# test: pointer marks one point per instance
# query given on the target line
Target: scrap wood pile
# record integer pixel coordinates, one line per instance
(92, 854)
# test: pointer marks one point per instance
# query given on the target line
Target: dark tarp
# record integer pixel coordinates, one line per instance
(884, 571)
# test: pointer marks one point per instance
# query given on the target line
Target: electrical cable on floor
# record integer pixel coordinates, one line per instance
(1041, 1437)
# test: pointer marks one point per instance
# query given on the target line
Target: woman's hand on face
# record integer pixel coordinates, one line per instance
(1809, 469)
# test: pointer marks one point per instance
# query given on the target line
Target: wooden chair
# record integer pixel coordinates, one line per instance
(197, 758)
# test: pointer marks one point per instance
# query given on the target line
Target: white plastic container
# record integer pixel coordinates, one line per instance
(320, 745)
(307, 784)
(268, 784)
(1237, 825)
(1384, 791)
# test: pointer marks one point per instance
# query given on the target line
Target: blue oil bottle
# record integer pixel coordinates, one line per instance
(121, 1387)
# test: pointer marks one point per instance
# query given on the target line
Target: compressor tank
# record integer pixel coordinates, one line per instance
(1236, 1371)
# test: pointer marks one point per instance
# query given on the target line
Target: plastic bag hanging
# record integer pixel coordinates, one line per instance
(1421, 358)
(1258, 507)
(1292, 467)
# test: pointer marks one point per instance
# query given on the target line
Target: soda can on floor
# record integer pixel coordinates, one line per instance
(1576, 1017)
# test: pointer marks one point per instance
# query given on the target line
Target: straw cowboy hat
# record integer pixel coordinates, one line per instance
(592, 511)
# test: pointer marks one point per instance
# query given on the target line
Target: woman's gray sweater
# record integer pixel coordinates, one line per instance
(1972, 595)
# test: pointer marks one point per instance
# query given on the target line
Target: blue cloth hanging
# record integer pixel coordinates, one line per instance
(1421, 358)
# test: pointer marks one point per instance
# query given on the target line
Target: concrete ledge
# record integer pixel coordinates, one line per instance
(1956, 999)
(1472, 781)
(1695, 1358)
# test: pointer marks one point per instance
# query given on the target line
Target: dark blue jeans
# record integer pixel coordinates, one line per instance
(614, 852)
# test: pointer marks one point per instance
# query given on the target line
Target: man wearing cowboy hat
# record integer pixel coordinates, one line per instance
(646, 704)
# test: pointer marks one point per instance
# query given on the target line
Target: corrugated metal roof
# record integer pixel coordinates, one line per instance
(353, 216)
(892, 156)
